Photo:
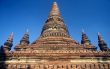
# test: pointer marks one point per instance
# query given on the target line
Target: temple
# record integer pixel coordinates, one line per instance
(54, 49)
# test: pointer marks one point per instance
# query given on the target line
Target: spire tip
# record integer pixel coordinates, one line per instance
(82, 30)
(11, 36)
(27, 30)
(55, 9)
(99, 33)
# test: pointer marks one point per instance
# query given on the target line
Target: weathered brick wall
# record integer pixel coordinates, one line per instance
(61, 66)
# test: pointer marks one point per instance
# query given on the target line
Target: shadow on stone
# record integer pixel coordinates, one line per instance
(2, 58)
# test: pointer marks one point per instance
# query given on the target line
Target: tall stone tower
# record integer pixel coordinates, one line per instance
(55, 49)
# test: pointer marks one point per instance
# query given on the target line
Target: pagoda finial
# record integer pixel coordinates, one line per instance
(55, 10)
(83, 31)
(101, 43)
(27, 31)
(99, 33)
(11, 36)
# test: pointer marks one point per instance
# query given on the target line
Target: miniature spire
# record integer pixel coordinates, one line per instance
(101, 43)
(11, 37)
(25, 38)
(85, 39)
(9, 43)
(55, 10)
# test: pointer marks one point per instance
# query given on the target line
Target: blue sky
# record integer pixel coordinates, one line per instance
(91, 15)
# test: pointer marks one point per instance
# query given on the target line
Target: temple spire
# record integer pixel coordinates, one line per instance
(9, 43)
(55, 24)
(54, 10)
(25, 38)
(101, 43)
(85, 40)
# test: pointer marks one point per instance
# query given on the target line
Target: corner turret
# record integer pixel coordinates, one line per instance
(85, 39)
(9, 43)
(102, 44)
(25, 39)
(86, 42)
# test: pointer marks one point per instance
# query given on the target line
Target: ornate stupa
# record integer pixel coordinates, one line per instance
(54, 49)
